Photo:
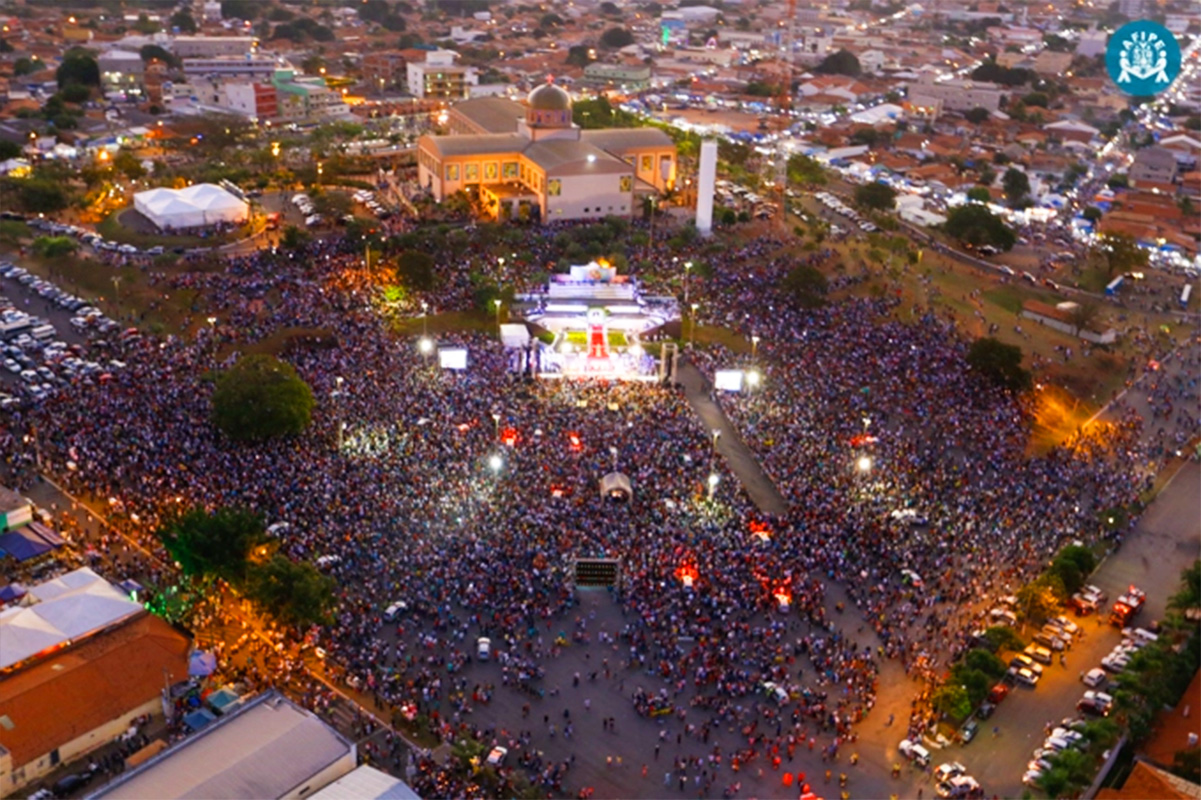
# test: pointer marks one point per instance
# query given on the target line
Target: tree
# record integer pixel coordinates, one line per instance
(261, 397)
(41, 196)
(1092, 214)
(1071, 770)
(54, 246)
(806, 285)
(293, 238)
(806, 171)
(975, 225)
(183, 20)
(843, 62)
(78, 66)
(25, 66)
(241, 9)
(416, 269)
(1187, 764)
(216, 544)
(984, 661)
(1002, 637)
(9, 150)
(1073, 564)
(952, 700)
(973, 681)
(979, 194)
(616, 38)
(129, 165)
(866, 136)
(579, 55)
(1121, 253)
(1040, 599)
(550, 20)
(1189, 595)
(295, 594)
(1016, 185)
(999, 363)
(75, 93)
(878, 196)
(154, 52)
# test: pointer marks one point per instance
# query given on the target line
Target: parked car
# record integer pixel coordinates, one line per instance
(969, 729)
(914, 752)
(483, 648)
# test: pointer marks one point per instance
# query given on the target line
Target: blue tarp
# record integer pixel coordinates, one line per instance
(198, 719)
(29, 541)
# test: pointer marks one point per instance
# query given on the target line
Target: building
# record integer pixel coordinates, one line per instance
(211, 46)
(366, 783)
(302, 97)
(1092, 43)
(268, 748)
(617, 76)
(200, 206)
(484, 115)
(1153, 165)
(385, 70)
(534, 162)
(1060, 318)
(953, 95)
(438, 77)
(254, 100)
(80, 661)
(255, 68)
(15, 510)
(121, 70)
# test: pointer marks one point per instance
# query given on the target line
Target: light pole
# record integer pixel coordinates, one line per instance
(117, 290)
(425, 307)
(692, 328)
(651, 199)
(864, 464)
(713, 481)
(687, 269)
(212, 321)
(754, 347)
(501, 262)
(496, 420)
(497, 302)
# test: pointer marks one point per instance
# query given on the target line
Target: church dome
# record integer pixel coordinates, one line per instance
(549, 97)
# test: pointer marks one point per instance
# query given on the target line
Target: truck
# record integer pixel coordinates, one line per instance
(1126, 607)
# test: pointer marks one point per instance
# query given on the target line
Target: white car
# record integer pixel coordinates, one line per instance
(1095, 678)
(1065, 623)
(496, 756)
(483, 648)
(12, 366)
(914, 752)
(949, 770)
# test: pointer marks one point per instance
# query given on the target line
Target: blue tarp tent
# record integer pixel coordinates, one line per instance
(29, 541)
(199, 718)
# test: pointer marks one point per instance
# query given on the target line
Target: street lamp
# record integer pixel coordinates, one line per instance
(864, 464)
(687, 269)
(497, 302)
(752, 379)
(713, 481)
(495, 462)
(496, 420)
(716, 436)
(754, 346)
(425, 307)
(338, 399)
(425, 345)
(692, 329)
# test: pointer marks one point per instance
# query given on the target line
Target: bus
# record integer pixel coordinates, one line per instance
(1114, 285)
(1185, 294)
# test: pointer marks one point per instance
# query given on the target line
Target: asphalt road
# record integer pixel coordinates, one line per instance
(30, 302)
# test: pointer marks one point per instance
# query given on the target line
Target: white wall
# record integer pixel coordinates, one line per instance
(600, 194)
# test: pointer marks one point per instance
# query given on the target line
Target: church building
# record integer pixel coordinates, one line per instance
(532, 162)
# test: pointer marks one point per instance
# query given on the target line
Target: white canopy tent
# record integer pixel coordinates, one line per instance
(198, 206)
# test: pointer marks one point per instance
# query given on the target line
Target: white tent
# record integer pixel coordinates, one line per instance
(197, 206)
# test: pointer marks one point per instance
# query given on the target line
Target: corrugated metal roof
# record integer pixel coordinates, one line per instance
(619, 140)
(367, 783)
(493, 114)
(480, 144)
(266, 749)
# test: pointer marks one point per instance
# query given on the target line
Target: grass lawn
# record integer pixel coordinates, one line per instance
(132, 298)
(281, 340)
(449, 322)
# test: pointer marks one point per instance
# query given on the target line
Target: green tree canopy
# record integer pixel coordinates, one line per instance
(1002, 637)
(953, 700)
(261, 397)
(999, 363)
(978, 114)
(975, 225)
(1017, 187)
(1073, 564)
(806, 170)
(54, 246)
(985, 662)
(843, 62)
(416, 269)
(1121, 253)
(1041, 598)
(41, 195)
(806, 285)
(78, 66)
(616, 38)
(295, 594)
(879, 196)
(215, 544)
(979, 194)
(183, 20)
(241, 9)
(154, 52)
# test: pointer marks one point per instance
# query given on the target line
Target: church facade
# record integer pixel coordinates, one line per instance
(532, 162)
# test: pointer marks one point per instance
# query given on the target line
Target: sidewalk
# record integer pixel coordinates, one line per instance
(738, 457)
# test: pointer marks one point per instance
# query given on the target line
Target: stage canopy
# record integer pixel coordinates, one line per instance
(199, 206)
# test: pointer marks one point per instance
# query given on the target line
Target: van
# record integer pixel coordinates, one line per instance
(1145, 636)
(42, 332)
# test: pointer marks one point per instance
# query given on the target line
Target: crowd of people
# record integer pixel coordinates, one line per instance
(464, 497)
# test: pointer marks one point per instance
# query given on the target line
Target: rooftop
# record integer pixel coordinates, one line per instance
(493, 114)
(266, 749)
(80, 689)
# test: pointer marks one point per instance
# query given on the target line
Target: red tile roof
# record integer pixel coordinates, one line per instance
(91, 684)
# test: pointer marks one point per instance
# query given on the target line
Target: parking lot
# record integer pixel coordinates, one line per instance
(44, 338)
